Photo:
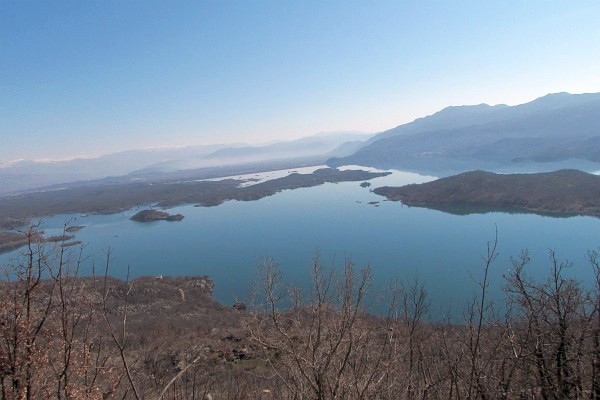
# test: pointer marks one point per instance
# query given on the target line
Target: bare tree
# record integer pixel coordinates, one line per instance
(322, 346)
(49, 348)
(554, 324)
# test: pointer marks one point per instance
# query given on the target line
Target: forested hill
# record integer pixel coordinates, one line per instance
(559, 192)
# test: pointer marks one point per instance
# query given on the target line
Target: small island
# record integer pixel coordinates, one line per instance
(560, 193)
(70, 244)
(155, 215)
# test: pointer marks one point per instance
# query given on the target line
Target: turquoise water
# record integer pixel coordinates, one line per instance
(227, 242)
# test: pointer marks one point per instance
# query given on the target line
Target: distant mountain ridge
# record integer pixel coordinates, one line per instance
(308, 146)
(24, 175)
(558, 130)
(553, 128)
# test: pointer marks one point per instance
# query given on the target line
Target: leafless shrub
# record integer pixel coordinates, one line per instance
(325, 345)
(73, 337)
(49, 347)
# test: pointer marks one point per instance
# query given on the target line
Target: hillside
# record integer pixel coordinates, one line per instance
(166, 338)
(554, 128)
(559, 192)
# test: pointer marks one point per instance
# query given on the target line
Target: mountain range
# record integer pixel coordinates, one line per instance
(555, 131)
(559, 128)
(25, 175)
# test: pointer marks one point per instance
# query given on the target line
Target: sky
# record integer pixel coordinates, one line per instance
(83, 78)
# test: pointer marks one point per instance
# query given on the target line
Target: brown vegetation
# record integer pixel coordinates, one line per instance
(67, 336)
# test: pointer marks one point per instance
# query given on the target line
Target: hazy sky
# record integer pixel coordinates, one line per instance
(89, 77)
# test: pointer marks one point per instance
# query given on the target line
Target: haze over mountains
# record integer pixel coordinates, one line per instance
(26, 174)
(555, 131)
(556, 128)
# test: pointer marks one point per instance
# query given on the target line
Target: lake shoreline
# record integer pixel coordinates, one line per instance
(560, 193)
(112, 199)
(202, 194)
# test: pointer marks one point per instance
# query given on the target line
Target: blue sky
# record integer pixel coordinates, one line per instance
(91, 77)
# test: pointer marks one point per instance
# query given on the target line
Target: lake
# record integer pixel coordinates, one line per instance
(226, 242)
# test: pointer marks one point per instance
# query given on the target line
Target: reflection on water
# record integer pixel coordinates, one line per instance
(259, 177)
(226, 242)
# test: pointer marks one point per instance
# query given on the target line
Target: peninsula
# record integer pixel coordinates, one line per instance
(563, 192)
(108, 198)
(13, 240)
(112, 198)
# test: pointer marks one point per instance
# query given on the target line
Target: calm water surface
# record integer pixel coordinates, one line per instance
(226, 242)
